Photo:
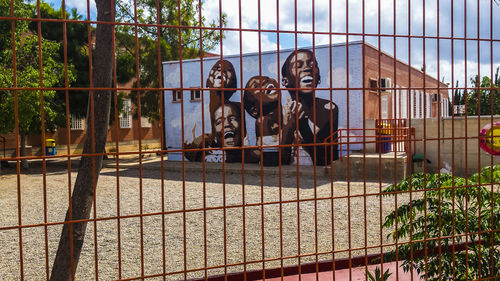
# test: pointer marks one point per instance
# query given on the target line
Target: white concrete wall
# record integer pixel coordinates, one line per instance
(453, 142)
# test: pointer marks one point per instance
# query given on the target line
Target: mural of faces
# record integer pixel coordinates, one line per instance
(261, 88)
(305, 117)
(222, 75)
(227, 127)
(300, 70)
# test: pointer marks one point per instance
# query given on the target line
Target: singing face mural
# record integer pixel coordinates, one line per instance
(304, 119)
(262, 92)
(315, 119)
(300, 70)
(261, 89)
(227, 125)
(222, 75)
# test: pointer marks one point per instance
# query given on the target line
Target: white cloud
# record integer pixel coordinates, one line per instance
(331, 16)
(81, 7)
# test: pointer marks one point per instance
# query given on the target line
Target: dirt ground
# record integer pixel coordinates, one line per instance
(149, 223)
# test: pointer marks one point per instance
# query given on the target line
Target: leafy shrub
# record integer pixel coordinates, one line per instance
(378, 275)
(449, 210)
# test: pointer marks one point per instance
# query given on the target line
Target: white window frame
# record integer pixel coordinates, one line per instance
(177, 95)
(444, 107)
(194, 92)
(404, 103)
(77, 123)
(428, 106)
(385, 106)
(126, 116)
(421, 106)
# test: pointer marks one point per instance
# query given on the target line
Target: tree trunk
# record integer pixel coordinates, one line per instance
(24, 162)
(68, 255)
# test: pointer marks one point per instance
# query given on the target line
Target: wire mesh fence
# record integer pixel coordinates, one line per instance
(249, 140)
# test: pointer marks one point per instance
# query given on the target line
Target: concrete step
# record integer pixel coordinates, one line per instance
(386, 167)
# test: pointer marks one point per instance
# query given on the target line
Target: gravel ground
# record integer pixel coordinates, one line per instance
(243, 228)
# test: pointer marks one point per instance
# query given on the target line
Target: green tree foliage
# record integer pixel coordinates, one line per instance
(77, 50)
(26, 74)
(167, 41)
(20, 9)
(484, 99)
(454, 210)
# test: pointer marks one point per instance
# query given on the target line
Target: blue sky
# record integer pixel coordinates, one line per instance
(457, 19)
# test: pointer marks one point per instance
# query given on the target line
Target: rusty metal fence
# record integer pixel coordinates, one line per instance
(250, 140)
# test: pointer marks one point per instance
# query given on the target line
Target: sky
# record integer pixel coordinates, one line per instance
(396, 26)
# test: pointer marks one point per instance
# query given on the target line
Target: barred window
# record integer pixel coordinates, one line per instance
(77, 123)
(195, 95)
(176, 96)
(385, 107)
(373, 85)
(125, 117)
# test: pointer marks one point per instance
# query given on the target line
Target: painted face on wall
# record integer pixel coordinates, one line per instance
(261, 88)
(301, 71)
(229, 127)
(222, 75)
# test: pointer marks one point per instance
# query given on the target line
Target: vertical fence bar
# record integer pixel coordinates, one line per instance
(452, 35)
(466, 140)
(424, 142)
(363, 79)
(162, 136)
(492, 92)
(332, 190)
(204, 144)
(117, 158)
(479, 90)
(181, 75)
(280, 140)
(42, 115)
(17, 133)
(139, 134)
(243, 185)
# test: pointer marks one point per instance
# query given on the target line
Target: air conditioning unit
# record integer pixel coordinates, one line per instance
(435, 97)
(385, 84)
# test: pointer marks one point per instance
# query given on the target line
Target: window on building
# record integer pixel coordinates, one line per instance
(126, 116)
(373, 85)
(77, 123)
(145, 122)
(444, 107)
(404, 103)
(195, 95)
(420, 105)
(385, 107)
(176, 96)
(397, 101)
(428, 106)
(414, 104)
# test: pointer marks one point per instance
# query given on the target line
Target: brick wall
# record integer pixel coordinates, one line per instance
(397, 71)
